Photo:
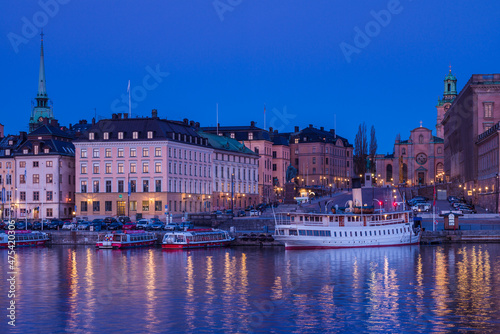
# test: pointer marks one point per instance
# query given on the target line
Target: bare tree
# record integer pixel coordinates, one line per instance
(373, 148)
(360, 149)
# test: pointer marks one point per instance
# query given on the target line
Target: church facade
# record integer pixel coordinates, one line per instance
(419, 160)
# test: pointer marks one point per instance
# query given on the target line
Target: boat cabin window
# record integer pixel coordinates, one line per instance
(331, 219)
(355, 234)
(301, 218)
(306, 218)
(292, 218)
(309, 232)
(335, 234)
(328, 233)
(292, 232)
(302, 232)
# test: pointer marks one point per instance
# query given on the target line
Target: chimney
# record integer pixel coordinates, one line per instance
(119, 115)
(125, 116)
(113, 116)
(252, 123)
(154, 113)
(197, 125)
(297, 129)
(186, 121)
(310, 126)
(93, 120)
(23, 135)
(270, 130)
(322, 128)
(191, 123)
(54, 122)
(1, 131)
(276, 132)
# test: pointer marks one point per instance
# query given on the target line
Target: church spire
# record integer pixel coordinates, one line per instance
(41, 96)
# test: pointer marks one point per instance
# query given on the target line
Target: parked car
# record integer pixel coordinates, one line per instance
(142, 223)
(69, 226)
(84, 226)
(254, 213)
(172, 227)
(421, 207)
(240, 213)
(186, 225)
(154, 225)
(124, 219)
(217, 212)
(466, 209)
(116, 225)
(229, 212)
(130, 226)
(109, 220)
(453, 199)
(98, 225)
(38, 225)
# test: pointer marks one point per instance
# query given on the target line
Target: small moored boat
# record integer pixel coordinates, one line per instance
(125, 239)
(24, 238)
(196, 238)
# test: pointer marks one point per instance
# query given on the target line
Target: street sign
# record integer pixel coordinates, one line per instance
(120, 196)
(166, 207)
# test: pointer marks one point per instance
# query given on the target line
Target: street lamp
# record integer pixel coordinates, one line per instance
(379, 204)
(232, 192)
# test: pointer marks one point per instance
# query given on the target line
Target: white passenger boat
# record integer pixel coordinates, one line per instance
(196, 238)
(125, 239)
(315, 230)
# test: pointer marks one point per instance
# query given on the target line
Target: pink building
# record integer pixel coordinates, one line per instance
(142, 167)
(322, 158)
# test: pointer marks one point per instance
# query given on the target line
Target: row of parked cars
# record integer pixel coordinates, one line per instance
(420, 204)
(459, 204)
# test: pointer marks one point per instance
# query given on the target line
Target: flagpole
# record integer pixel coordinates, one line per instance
(129, 101)
(26, 197)
(217, 117)
(264, 116)
(434, 209)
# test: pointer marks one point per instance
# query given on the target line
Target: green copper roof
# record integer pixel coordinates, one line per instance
(226, 143)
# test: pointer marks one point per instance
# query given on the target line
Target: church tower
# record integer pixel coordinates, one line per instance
(449, 95)
(42, 109)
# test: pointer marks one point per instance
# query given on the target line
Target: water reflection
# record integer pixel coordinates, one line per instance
(393, 289)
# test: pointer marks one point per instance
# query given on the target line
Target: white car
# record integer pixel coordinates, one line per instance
(143, 223)
(421, 207)
(254, 213)
(68, 226)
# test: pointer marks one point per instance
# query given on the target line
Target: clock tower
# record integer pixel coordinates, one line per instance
(42, 109)
(449, 95)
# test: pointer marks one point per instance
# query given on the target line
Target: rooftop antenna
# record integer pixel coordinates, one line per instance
(264, 116)
(95, 113)
(335, 126)
(217, 117)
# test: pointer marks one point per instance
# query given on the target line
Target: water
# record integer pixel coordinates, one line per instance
(393, 289)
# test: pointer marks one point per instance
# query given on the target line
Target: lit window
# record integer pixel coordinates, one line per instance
(91, 136)
(83, 153)
(120, 152)
(120, 135)
(106, 136)
(135, 135)
(158, 152)
(150, 134)
(145, 152)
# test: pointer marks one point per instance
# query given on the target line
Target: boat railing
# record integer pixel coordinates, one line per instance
(386, 222)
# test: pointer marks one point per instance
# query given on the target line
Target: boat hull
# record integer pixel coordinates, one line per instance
(118, 245)
(30, 243)
(197, 245)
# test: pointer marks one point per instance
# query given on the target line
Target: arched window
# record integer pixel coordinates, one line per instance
(440, 150)
(403, 151)
(439, 172)
(421, 139)
(388, 173)
(405, 173)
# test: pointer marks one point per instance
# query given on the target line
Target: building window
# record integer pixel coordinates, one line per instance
(22, 196)
(120, 135)
(108, 153)
(133, 205)
(95, 153)
(108, 206)
(91, 136)
(83, 153)
(440, 150)
(120, 168)
(135, 135)
(35, 164)
(250, 136)
(22, 179)
(133, 152)
(488, 110)
(133, 168)
(36, 196)
(49, 178)
(49, 212)
(84, 169)
(83, 206)
(120, 186)
(145, 186)
(145, 205)
(145, 167)
(108, 186)
(96, 206)
(275, 167)
(106, 136)
(421, 139)
(108, 168)
(49, 163)
(36, 178)
(83, 187)
(158, 186)
(403, 151)
(145, 152)
(314, 160)
(96, 169)
(49, 195)
(133, 186)
(96, 186)
(157, 167)
(150, 134)
(256, 150)
(158, 152)
(120, 153)
(158, 206)
(232, 135)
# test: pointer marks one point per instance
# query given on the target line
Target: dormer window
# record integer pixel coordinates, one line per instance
(11, 142)
(25, 151)
(232, 135)
(250, 136)
(106, 136)
(46, 150)
(35, 149)
(91, 136)
(120, 135)
(7, 152)
(135, 135)
(150, 134)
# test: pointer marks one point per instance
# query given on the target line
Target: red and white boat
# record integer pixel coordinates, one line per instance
(125, 239)
(24, 238)
(196, 238)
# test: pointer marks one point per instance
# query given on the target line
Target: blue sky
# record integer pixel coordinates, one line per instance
(243, 54)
